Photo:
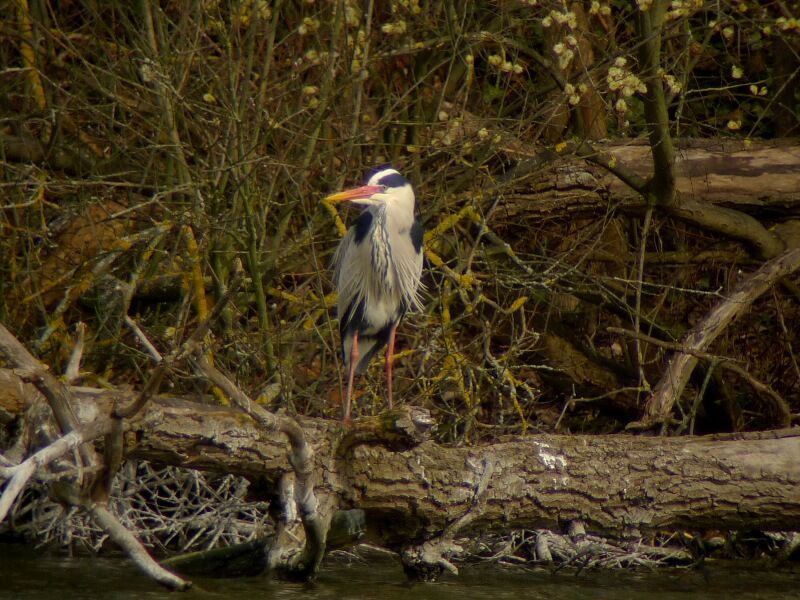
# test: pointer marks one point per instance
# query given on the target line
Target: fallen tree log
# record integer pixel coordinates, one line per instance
(615, 484)
(762, 178)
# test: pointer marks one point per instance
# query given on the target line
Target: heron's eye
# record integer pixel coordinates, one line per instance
(384, 188)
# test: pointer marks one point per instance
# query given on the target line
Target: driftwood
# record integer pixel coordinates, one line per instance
(418, 495)
(86, 488)
(610, 482)
(86, 483)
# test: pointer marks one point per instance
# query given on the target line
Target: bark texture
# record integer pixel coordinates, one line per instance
(615, 484)
(752, 179)
(612, 483)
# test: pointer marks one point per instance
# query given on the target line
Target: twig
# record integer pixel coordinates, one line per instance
(781, 406)
(21, 473)
(134, 549)
(637, 311)
(184, 350)
(782, 322)
(28, 53)
(163, 94)
(569, 402)
(610, 163)
(143, 339)
(692, 416)
(660, 343)
(72, 372)
(680, 367)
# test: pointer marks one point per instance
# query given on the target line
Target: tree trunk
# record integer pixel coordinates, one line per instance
(755, 179)
(615, 484)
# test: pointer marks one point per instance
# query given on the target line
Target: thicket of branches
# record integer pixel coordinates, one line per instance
(146, 147)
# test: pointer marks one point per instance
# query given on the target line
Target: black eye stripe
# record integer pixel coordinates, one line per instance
(393, 180)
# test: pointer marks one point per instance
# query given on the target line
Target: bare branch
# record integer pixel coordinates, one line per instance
(21, 473)
(134, 549)
(301, 458)
(72, 372)
(701, 336)
(184, 350)
(57, 394)
(725, 363)
(728, 222)
(143, 339)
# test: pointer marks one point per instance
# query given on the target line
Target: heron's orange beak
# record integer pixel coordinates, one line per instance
(359, 193)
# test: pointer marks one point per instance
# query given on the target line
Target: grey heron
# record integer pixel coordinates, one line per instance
(377, 271)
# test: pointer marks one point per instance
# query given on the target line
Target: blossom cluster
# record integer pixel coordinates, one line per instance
(499, 63)
(621, 80)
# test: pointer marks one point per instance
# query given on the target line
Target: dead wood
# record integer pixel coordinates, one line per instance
(611, 483)
(779, 404)
(133, 548)
(762, 177)
(305, 564)
(680, 366)
(82, 489)
(19, 475)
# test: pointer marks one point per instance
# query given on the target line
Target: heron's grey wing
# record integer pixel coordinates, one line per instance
(344, 274)
(408, 264)
(352, 262)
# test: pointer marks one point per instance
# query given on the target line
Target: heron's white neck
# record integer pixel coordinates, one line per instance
(398, 208)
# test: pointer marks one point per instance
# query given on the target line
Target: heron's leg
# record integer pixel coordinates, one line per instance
(350, 376)
(389, 361)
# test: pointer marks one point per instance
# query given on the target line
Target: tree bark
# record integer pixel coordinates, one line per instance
(614, 484)
(761, 178)
(611, 483)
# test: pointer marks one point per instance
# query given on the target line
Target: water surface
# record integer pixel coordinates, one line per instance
(30, 574)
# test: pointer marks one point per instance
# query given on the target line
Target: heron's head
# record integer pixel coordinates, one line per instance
(386, 188)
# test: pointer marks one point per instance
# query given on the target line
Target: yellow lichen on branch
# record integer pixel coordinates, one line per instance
(337, 220)
(193, 280)
(26, 49)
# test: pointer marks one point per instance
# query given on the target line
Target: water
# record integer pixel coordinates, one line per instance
(29, 574)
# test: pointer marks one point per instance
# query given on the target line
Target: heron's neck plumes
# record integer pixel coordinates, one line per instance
(398, 211)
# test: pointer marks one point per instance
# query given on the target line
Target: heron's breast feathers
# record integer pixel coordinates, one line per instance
(379, 269)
